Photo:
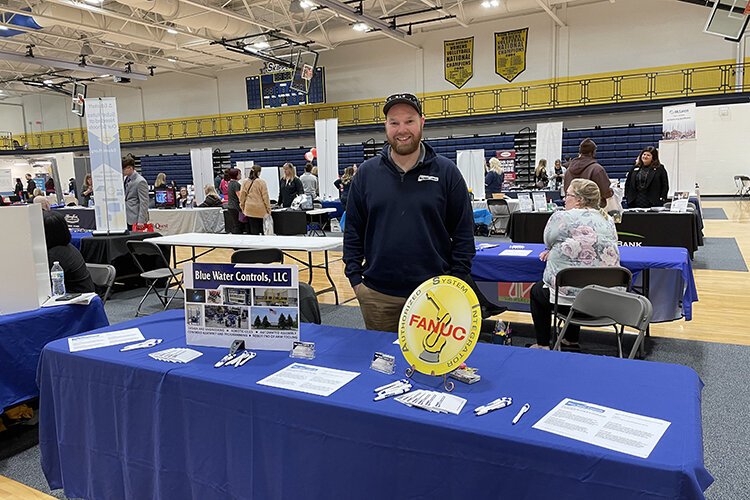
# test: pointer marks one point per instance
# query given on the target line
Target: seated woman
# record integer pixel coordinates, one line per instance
(212, 197)
(581, 236)
(59, 249)
(184, 200)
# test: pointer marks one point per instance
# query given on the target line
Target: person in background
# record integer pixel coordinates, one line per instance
(581, 235)
(136, 193)
(493, 181)
(309, 181)
(212, 197)
(161, 180)
(291, 186)
(57, 237)
(647, 184)
(314, 171)
(30, 187)
(541, 179)
(19, 190)
(42, 200)
(354, 168)
(558, 175)
(408, 218)
(233, 202)
(224, 184)
(343, 184)
(88, 190)
(49, 185)
(72, 187)
(184, 199)
(217, 181)
(254, 201)
(585, 166)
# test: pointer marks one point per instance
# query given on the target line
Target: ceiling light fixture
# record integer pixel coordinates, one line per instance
(171, 59)
(4, 28)
(94, 2)
(86, 49)
(47, 82)
(306, 4)
(105, 76)
(490, 3)
(262, 45)
(172, 31)
(361, 27)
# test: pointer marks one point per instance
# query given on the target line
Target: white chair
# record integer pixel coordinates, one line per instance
(742, 182)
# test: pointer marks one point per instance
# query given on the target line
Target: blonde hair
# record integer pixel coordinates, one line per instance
(210, 189)
(44, 202)
(291, 168)
(161, 179)
(588, 193)
(542, 166)
(495, 165)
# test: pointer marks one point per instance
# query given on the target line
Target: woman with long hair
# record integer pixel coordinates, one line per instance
(161, 180)
(493, 180)
(233, 202)
(647, 184)
(541, 179)
(88, 190)
(344, 183)
(254, 201)
(291, 186)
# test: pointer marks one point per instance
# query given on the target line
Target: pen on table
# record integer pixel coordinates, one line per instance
(520, 413)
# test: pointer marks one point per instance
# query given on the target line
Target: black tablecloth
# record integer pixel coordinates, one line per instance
(79, 218)
(289, 222)
(112, 249)
(662, 229)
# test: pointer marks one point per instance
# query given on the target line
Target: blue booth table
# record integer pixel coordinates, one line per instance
(334, 204)
(489, 265)
(119, 425)
(23, 335)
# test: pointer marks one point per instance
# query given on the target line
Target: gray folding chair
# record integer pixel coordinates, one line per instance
(500, 215)
(743, 185)
(103, 276)
(309, 309)
(597, 306)
(148, 255)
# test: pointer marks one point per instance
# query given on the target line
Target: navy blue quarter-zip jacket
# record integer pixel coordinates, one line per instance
(404, 228)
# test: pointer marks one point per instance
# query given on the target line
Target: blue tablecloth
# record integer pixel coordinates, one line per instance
(77, 236)
(122, 425)
(22, 337)
(489, 265)
(334, 204)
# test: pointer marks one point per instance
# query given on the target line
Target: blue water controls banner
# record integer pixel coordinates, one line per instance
(255, 303)
(106, 164)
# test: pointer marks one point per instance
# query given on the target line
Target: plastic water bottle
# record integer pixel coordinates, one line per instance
(58, 279)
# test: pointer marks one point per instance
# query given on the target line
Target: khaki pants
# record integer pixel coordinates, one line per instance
(380, 311)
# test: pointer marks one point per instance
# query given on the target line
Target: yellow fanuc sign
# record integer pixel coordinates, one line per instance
(458, 59)
(439, 325)
(510, 53)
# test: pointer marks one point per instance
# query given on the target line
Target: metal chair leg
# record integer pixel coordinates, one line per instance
(143, 299)
(619, 338)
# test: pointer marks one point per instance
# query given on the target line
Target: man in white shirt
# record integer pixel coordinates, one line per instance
(309, 181)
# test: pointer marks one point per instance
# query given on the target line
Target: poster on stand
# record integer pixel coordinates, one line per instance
(256, 303)
(678, 122)
(106, 164)
(508, 163)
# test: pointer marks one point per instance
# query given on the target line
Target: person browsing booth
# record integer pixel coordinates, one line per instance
(136, 193)
(408, 218)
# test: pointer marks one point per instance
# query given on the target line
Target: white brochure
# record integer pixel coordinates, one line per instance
(311, 379)
(94, 340)
(606, 427)
(524, 202)
(540, 202)
(514, 252)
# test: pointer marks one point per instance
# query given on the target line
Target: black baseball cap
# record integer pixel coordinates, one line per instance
(409, 99)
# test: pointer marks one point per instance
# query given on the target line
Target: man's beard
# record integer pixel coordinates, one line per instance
(405, 148)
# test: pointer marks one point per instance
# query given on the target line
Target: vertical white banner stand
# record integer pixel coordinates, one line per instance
(202, 163)
(471, 164)
(23, 260)
(327, 144)
(548, 144)
(677, 149)
(106, 164)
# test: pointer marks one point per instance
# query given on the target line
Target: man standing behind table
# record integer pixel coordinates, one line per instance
(309, 181)
(408, 218)
(136, 193)
(586, 167)
(30, 187)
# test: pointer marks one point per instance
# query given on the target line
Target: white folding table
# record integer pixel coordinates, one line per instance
(246, 241)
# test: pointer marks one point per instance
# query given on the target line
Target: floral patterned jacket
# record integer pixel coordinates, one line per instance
(576, 238)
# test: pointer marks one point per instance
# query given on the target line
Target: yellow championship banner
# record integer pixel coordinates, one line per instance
(510, 53)
(439, 325)
(458, 60)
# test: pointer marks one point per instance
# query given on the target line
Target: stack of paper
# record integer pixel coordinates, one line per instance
(176, 355)
(439, 402)
(80, 299)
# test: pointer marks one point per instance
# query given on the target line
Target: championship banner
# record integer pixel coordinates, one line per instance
(458, 59)
(439, 325)
(510, 53)
(106, 164)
